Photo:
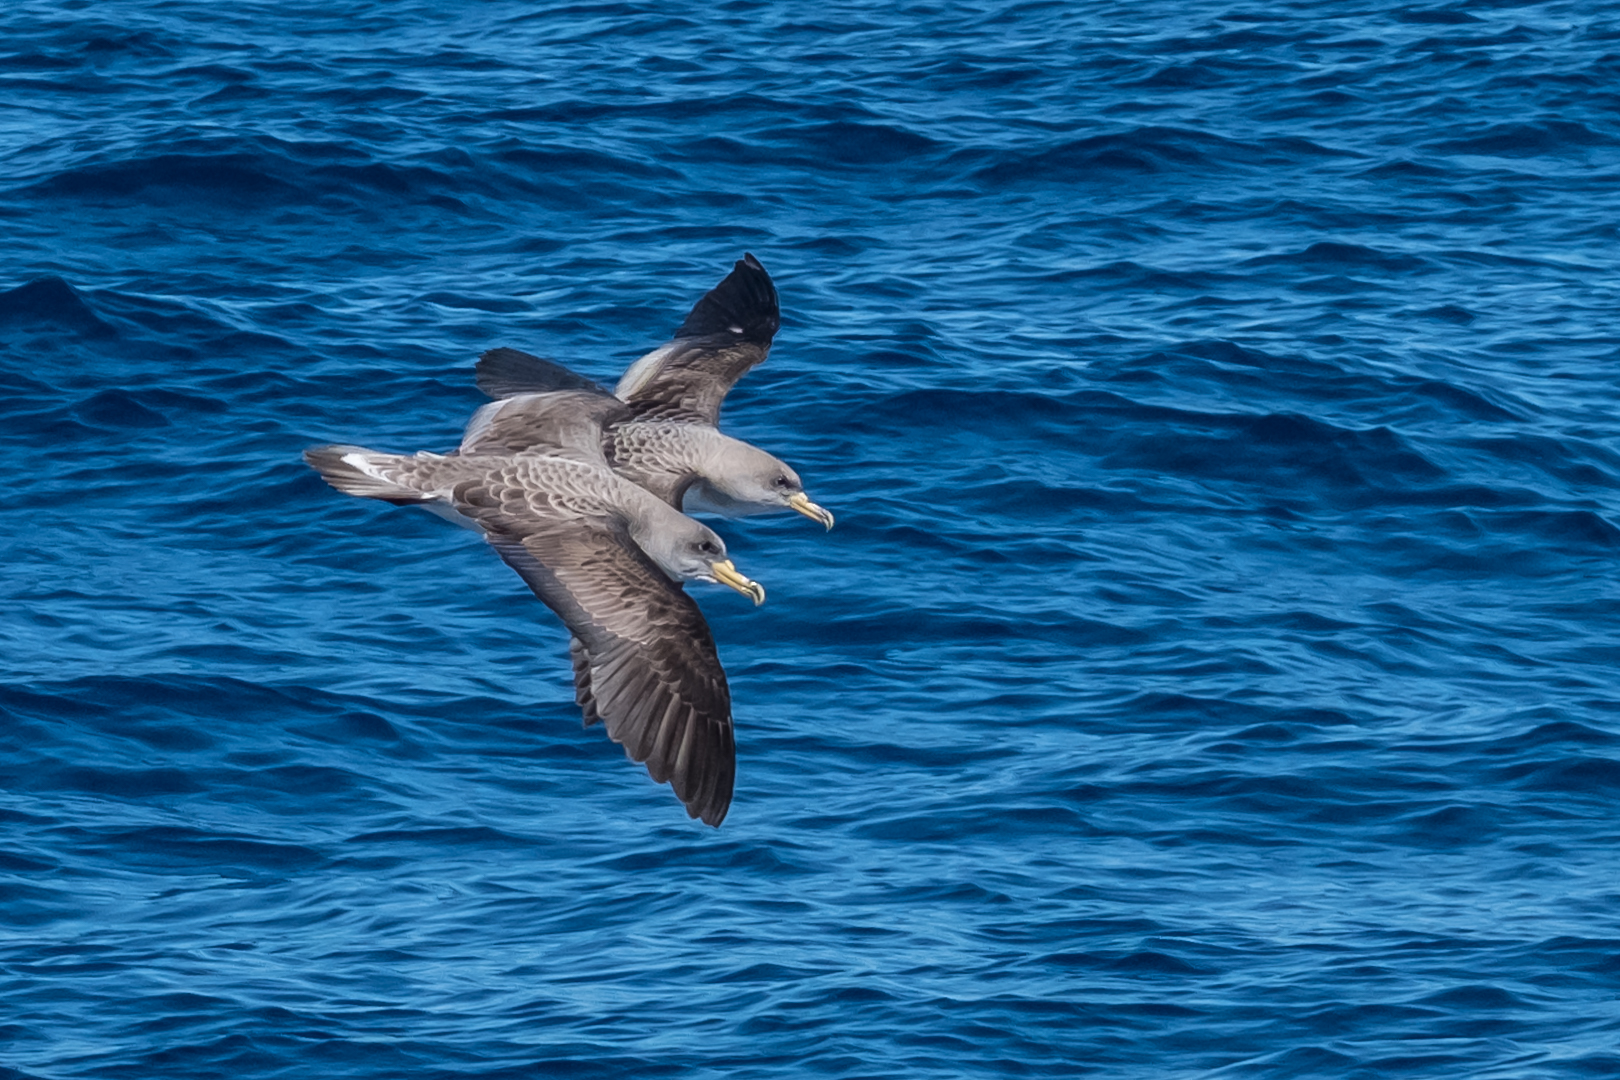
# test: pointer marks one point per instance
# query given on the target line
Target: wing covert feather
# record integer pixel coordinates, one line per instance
(565, 423)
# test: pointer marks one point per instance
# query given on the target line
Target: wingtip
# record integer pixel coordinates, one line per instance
(505, 372)
(744, 305)
(706, 788)
(711, 805)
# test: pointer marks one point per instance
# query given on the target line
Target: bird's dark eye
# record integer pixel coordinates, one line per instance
(782, 482)
(707, 548)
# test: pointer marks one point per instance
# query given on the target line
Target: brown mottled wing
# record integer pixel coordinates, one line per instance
(567, 423)
(644, 660)
(727, 333)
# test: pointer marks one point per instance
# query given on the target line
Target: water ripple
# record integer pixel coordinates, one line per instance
(1212, 671)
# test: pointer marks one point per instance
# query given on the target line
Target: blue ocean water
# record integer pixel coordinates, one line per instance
(1212, 672)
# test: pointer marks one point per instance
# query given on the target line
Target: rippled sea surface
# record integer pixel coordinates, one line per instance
(1212, 672)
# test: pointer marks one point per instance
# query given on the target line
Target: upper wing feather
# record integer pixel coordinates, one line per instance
(567, 423)
(727, 333)
(644, 659)
(507, 372)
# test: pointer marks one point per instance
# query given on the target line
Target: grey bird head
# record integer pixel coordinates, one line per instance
(747, 479)
(689, 550)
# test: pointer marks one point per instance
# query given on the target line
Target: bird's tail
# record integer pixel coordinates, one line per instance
(354, 470)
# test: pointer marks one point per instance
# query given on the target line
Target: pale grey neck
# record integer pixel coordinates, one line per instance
(714, 454)
(655, 526)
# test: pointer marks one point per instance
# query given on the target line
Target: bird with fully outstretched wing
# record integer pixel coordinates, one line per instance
(603, 554)
(669, 440)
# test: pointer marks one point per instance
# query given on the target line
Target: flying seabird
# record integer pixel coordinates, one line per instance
(609, 559)
(669, 441)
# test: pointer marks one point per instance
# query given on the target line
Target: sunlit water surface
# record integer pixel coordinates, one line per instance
(1212, 672)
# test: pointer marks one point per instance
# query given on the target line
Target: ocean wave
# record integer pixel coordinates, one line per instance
(1209, 674)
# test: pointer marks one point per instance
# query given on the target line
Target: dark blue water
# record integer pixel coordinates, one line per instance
(1213, 670)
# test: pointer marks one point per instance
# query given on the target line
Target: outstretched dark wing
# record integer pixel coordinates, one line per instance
(644, 660)
(727, 333)
(507, 372)
(566, 423)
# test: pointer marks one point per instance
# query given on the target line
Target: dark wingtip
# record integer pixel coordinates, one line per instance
(504, 373)
(713, 797)
(710, 807)
(742, 306)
